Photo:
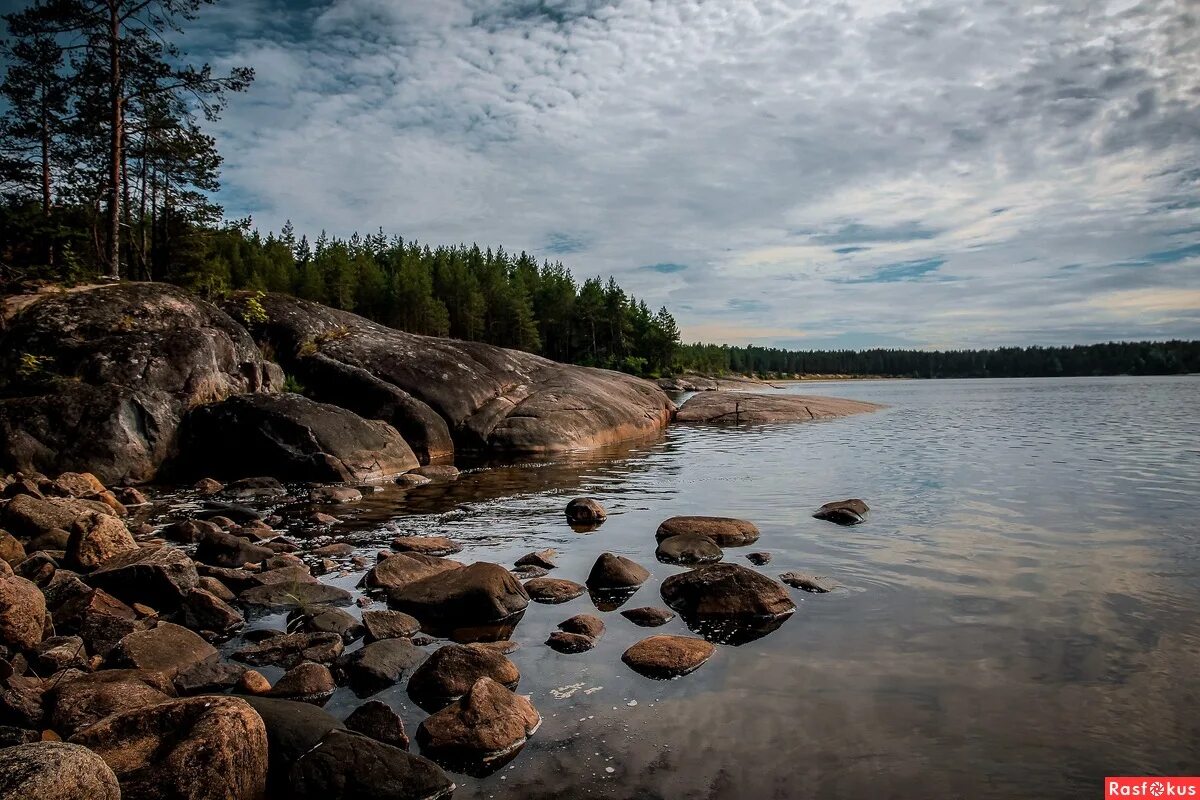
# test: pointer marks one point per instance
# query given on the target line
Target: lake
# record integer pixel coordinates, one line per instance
(1017, 618)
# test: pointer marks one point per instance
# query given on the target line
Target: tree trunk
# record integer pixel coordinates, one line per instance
(115, 143)
(46, 197)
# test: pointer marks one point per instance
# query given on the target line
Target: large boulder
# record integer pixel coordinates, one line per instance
(476, 595)
(159, 576)
(35, 516)
(453, 669)
(55, 771)
(723, 531)
(732, 408)
(399, 570)
(433, 390)
(22, 613)
(664, 657)
(484, 725)
(378, 665)
(350, 765)
(165, 648)
(293, 729)
(96, 379)
(726, 592)
(80, 703)
(291, 437)
(198, 748)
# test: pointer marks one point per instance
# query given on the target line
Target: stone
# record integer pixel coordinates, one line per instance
(78, 704)
(724, 531)
(542, 558)
(220, 549)
(345, 764)
(648, 616)
(553, 590)
(280, 596)
(808, 583)
(291, 649)
(411, 479)
(758, 559)
(293, 729)
(726, 592)
(688, 549)
(158, 575)
(662, 657)
(95, 538)
(401, 569)
(200, 748)
(307, 682)
(426, 545)
(58, 653)
(390, 625)
(616, 572)
(128, 360)
(165, 648)
(253, 682)
(326, 620)
(211, 676)
(485, 724)
(292, 437)
(586, 511)
(334, 494)
(438, 472)
(38, 568)
(21, 700)
(453, 669)
(129, 496)
(55, 771)
(586, 624)
(844, 512)
(255, 487)
(214, 587)
(285, 575)
(22, 613)
(527, 571)
(206, 487)
(479, 594)
(100, 619)
(11, 551)
(378, 665)
(334, 550)
(53, 539)
(236, 580)
(30, 516)
(377, 720)
(78, 484)
(732, 408)
(566, 642)
(204, 611)
(189, 531)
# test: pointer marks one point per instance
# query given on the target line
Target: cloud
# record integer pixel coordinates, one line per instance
(822, 156)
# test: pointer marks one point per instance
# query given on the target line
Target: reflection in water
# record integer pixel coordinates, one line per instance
(734, 632)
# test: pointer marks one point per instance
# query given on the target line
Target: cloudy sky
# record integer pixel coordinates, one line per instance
(803, 173)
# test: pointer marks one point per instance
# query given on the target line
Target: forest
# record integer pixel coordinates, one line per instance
(106, 172)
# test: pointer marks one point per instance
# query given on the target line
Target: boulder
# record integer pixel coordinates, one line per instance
(293, 729)
(77, 704)
(11, 551)
(411, 480)
(31, 516)
(616, 572)
(844, 512)
(808, 583)
(663, 657)
(204, 611)
(198, 748)
(726, 592)
(220, 549)
(377, 720)
(292, 437)
(257, 487)
(567, 642)
(586, 511)
(216, 588)
(479, 594)
(78, 484)
(58, 653)
(486, 724)
(724, 531)
(542, 558)
(453, 669)
(438, 472)
(211, 676)
(378, 665)
(157, 575)
(348, 765)
(207, 487)
(53, 539)
(334, 494)
(326, 620)
(688, 549)
(487, 398)
(165, 648)
(55, 771)
(291, 649)
(95, 538)
(402, 569)
(253, 682)
(22, 613)
(100, 619)
(733, 408)
(21, 700)
(426, 545)
(553, 590)
(188, 531)
(390, 625)
(586, 624)
(758, 559)
(283, 596)
(38, 568)
(307, 682)
(120, 365)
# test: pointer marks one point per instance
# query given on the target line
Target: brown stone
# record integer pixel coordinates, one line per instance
(566, 642)
(377, 720)
(724, 531)
(542, 558)
(253, 682)
(401, 569)
(291, 649)
(586, 511)
(553, 590)
(307, 682)
(479, 594)
(204, 611)
(378, 665)
(808, 583)
(486, 723)
(158, 575)
(616, 572)
(726, 592)
(663, 657)
(454, 668)
(389, 625)
(688, 549)
(586, 624)
(95, 538)
(426, 545)
(77, 704)
(731, 408)
(22, 613)
(843, 512)
(165, 648)
(55, 771)
(648, 616)
(11, 551)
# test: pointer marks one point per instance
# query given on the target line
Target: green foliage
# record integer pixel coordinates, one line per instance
(30, 365)
(253, 312)
(293, 385)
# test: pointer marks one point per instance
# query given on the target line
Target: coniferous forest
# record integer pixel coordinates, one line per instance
(106, 171)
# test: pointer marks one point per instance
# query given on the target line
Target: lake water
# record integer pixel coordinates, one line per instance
(1018, 618)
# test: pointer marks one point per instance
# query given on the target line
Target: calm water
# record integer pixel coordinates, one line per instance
(1019, 617)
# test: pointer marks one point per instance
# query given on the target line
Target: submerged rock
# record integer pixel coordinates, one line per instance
(486, 724)
(586, 511)
(378, 665)
(758, 559)
(543, 559)
(567, 642)
(553, 590)
(663, 657)
(731, 408)
(55, 771)
(723, 531)
(808, 583)
(283, 596)
(726, 591)
(616, 572)
(688, 548)
(843, 512)
(426, 545)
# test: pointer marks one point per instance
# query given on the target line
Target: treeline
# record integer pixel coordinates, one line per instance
(1113, 358)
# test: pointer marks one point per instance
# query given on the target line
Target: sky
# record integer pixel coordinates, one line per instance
(912, 173)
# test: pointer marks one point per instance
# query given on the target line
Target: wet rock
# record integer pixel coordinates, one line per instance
(22, 613)
(100, 619)
(616, 572)
(724, 531)
(237, 580)
(188, 531)
(129, 496)
(211, 676)
(726, 592)
(308, 682)
(688, 548)
(255, 488)
(586, 511)
(207, 487)
(55, 771)
(227, 515)
(453, 669)
(30, 516)
(96, 538)
(553, 590)
(661, 657)
(334, 494)
(77, 704)
(378, 721)
(220, 549)
(201, 748)
(389, 625)
(648, 616)
(294, 573)
(254, 683)
(758, 559)
(326, 620)
(401, 569)
(283, 596)
(216, 588)
(334, 550)
(526, 572)
(586, 624)
(542, 558)
(165, 648)
(486, 724)
(378, 665)
(293, 437)
(58, 653)
(426, 545)
(478, 594)
(347, 764)
(204, 611)
(291, 649)
(809, 583)
(843, 512)
(11, 551)
(293, 729)
(411, 479)
(158, 575)
(438, 472)
(736, 407)
(566, 642)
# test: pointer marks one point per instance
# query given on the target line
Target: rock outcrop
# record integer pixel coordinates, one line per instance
(732, 408)
(97, 379)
